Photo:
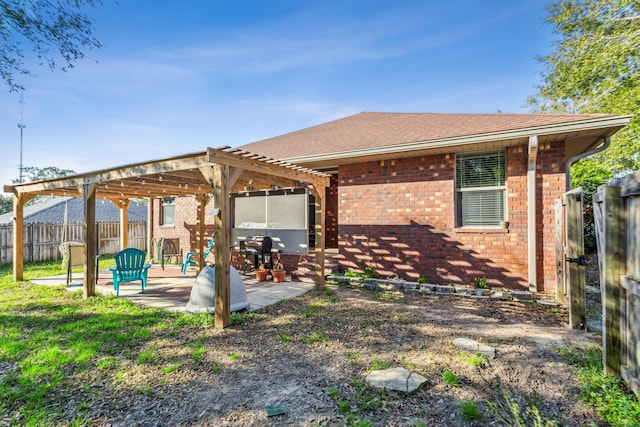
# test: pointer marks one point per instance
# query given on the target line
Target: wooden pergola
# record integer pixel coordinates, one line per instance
(213, 173)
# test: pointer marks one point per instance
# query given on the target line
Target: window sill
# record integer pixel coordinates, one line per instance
(167, 226)
(484, 230)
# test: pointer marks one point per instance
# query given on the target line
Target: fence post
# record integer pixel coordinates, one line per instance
(612, 229)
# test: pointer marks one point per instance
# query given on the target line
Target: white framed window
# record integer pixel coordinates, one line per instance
(168, 211)
(480, 189)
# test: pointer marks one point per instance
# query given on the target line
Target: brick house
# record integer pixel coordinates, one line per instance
(449, 197)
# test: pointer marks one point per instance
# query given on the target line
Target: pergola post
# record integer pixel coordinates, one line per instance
(150, 228)
(200, 230)
(18, 237)
(318, 194)
(89, 198)
(222, 221)
(123, 204)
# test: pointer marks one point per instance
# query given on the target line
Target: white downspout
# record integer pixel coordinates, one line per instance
(531, 213)
(572, 160)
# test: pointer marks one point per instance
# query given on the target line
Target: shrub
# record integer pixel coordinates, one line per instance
(480, 283)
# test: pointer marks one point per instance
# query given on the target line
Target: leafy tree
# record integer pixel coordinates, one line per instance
(6, 204)
(46, 26)
(32, 173)
(595, 68)
(589, 174)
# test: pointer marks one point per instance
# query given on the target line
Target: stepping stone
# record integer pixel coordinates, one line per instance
(472, 346)
(395, 379)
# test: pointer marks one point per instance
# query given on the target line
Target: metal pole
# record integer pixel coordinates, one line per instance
(20, 167)
(22, 126)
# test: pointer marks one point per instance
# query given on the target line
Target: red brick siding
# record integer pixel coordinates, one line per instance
(551, 167)
(399, 216)
(185, 222)
(331, 214)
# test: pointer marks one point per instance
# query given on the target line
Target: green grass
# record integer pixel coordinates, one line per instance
(344, 407)
(148, 357)
(472, 359)
(611, 398)
(511, 410)
(376, 365)
(285, 338)
(50, 337)
(450, 378)
(470, 411)
(241, 318)
(170, 368)
(314, 337)
(333, 392)
(354, 356)
(361, 423)
(311, 311)
(198, 351)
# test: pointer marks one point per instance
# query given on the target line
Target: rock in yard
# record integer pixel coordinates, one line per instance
(395, 379)
(472, 346)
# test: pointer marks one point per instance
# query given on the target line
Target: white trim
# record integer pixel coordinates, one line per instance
(531, 214)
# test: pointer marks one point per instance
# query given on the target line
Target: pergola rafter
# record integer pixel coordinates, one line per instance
(215, 172)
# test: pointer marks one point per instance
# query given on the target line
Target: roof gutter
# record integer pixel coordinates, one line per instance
(572, 160)
(584, 125)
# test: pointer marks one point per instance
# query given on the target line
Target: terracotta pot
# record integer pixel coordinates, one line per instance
(278, 275)
(261, 275)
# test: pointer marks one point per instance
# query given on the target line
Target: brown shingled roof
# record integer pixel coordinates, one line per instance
(373, 130)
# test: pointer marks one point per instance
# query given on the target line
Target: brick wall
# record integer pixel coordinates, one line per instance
(399, 216)
(331, 214)
(551, 168)
(185, 223)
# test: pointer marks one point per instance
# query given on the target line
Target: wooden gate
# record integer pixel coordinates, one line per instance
(617, 216)
(570, 257)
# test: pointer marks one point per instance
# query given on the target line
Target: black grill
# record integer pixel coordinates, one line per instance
(259, 243)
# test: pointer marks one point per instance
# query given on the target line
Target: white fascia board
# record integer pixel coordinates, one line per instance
(583, 125)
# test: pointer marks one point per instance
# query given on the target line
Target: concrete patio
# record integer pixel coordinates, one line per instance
(170, 289)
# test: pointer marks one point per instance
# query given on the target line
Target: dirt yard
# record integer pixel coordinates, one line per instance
(313, 353)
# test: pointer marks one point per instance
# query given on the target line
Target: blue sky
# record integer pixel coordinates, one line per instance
(176, 77)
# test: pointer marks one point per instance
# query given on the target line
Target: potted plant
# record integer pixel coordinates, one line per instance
(277, 272)
(262, 273)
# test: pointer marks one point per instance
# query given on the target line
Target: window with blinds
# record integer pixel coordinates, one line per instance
(480, 189)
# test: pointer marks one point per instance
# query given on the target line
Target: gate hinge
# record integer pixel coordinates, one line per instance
(581, 260)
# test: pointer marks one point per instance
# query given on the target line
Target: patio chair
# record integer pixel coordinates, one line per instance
(130, 266)
(170, 248)
(190, 258)
(245, 254)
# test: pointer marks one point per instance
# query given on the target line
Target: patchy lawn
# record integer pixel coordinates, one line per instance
(106, 362)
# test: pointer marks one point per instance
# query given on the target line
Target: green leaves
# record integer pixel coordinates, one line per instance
(46, 26)
(595, 68)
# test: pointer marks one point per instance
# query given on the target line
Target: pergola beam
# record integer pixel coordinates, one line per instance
(264, 165)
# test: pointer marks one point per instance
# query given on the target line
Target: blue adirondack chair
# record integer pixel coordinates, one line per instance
(129, 267)
(190, 258)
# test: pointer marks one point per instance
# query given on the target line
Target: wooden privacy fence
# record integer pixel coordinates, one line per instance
(41, 241)
(617, 218)
(570, 258)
